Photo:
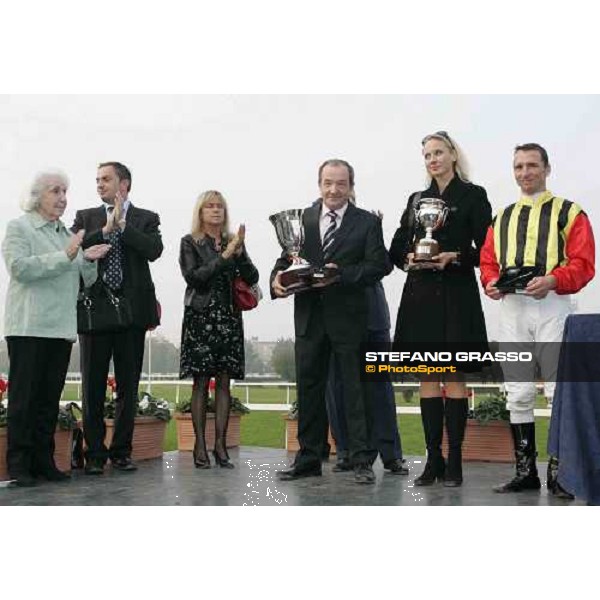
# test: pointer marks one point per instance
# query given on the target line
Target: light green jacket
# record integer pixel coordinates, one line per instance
(42, 293)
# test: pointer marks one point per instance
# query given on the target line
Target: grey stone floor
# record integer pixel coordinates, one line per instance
(174, 481)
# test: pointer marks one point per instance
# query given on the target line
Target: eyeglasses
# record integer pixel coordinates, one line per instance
(438, 134)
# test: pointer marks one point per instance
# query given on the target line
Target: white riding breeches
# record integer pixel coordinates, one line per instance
(536, 326)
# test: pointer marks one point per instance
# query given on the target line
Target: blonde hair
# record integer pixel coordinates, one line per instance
(204, 198)
(461, 166)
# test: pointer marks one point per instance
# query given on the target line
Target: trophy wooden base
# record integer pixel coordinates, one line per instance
(302, 277)
(425, 250)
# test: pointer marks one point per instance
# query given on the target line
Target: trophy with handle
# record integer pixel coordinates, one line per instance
(431, 214)
(290, 234)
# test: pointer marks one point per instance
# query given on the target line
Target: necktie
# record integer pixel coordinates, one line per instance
(113, 271)
(330, 233)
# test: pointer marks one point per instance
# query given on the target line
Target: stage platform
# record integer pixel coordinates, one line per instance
(173, 481)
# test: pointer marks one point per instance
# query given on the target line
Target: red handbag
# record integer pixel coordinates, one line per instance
(244, 297)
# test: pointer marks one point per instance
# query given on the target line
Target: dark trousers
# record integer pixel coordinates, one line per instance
(313, 353)
(380, 396)
(127, 351)
(38, 367)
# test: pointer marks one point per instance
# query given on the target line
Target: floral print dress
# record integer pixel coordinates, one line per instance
(212, 340)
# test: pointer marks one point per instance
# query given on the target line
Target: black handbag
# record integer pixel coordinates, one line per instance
(77, 456)
(100, 310)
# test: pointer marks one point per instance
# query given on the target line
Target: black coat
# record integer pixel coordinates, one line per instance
(200, 263)
(444, 306)
(142, 244)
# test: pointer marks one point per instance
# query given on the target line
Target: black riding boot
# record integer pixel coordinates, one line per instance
(199, 401)
(432, 415)
(456, 410)
(526, 470)
(557, 490)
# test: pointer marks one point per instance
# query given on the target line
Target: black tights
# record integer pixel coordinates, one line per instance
(222, 407)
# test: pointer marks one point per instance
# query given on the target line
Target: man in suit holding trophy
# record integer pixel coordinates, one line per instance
(330, 317)
(537, 252)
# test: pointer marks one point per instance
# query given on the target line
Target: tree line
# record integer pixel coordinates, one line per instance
(165, 358)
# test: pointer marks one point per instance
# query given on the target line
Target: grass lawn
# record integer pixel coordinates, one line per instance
(267, 429)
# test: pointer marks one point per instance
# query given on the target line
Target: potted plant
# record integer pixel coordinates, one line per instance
(62, 439)
(151, 419)
(3, 387)
(185, 428)
(487, 436)
(291, 431)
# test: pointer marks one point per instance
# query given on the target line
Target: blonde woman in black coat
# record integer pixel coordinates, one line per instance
(442, 304)
(212, 339)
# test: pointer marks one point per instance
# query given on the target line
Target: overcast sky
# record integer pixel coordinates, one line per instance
(263, 152)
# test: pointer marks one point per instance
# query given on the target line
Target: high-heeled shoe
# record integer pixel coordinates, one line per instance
(224, 463)
(201, 462)
(435, 468)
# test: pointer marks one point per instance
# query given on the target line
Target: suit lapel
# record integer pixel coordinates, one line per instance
(100, 216)
(132, 215)
(312, 249)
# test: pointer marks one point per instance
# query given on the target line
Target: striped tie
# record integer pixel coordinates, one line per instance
(330, 233)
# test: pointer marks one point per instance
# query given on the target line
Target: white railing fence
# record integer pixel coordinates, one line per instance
(287, 386)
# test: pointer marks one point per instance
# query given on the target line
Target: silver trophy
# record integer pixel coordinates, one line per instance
(431, 214)
(290, 234)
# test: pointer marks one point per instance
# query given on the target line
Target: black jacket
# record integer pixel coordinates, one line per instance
(444, 306)
(200, 263)
(142, 244)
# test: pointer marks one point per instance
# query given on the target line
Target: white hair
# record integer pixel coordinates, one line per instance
(39, 185)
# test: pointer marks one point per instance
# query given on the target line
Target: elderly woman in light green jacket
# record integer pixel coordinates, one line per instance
(45, 262)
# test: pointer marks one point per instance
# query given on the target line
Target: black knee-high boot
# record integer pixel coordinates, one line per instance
(526, 477)
(432, 415)
(199, 401)
(456, 411)
(554, 487)
(222, 408)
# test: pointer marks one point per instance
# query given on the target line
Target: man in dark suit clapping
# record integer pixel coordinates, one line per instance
(332, 318)
(135, 239)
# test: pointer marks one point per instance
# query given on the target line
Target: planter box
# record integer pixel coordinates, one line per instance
(487, 443)
(291, 436)
(63, 441)
(62, 451)
(186, 437)
(148, 437)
